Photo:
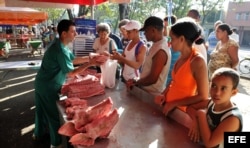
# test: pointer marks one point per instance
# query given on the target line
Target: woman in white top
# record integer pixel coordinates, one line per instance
(104, 44)
(134, 53)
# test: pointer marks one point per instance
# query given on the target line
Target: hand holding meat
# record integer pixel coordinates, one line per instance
(116, 56)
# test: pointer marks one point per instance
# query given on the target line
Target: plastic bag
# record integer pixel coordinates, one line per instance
(108, 71)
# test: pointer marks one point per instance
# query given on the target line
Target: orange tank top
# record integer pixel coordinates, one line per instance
(183, 83)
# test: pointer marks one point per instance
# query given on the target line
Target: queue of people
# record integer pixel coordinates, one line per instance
(149, 68)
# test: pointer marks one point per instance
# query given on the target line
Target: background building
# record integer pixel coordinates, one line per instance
(238, 16)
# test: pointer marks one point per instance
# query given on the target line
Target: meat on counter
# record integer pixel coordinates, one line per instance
(89, 123)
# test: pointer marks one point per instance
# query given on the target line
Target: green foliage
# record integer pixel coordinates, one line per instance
(141, 9)
(53, 13)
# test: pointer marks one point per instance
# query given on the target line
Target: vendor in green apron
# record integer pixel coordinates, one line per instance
(57, 64)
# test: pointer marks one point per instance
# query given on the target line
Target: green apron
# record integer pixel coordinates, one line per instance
(56, 63)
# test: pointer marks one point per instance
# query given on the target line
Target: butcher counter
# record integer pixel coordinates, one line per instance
(141, 124)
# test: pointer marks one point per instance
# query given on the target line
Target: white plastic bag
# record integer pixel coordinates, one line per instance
(108, 71)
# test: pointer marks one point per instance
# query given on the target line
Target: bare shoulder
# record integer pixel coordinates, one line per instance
(198, 61)
(231, 123)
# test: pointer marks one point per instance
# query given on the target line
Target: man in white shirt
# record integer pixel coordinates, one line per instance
(202, 49)
(234, 35)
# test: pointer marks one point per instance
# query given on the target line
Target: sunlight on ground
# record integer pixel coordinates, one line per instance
(16, 95)
(27, 129)
(153, 144)
(16, 84)
(6, 109)
(18, 78)
(120, 111)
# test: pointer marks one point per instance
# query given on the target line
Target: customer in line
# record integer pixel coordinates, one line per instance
(212, 40)
(123, 33)
(201, 48)
(156, 66)
(225, 53)
(189, 83)
(134, 54)
(103, 44)
(57, 63)
(168, 22)
(213, 117)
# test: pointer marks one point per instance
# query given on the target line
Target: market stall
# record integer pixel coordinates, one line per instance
(35, 45)
(14, 16)
(140, 123)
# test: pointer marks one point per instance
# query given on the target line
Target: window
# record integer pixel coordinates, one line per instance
(238, 15)
(247, 17)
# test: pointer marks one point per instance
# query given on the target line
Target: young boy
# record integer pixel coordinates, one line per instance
(213, 117)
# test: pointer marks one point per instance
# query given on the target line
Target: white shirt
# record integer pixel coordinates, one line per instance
(160, 84)
(130, 72)
(105, 47)
(235, 37)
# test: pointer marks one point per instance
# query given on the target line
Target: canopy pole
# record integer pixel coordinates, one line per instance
(92, 12)
(92, 9)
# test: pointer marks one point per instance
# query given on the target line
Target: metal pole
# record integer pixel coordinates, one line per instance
(169, 7)
(92, 9)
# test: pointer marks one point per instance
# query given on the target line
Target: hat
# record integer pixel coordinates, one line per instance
(152, 21)
(132, 25)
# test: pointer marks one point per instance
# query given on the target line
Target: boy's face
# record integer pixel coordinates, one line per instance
(70, 34)
(131, 34)
(221, 89)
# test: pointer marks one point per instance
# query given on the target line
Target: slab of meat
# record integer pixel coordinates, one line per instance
(86, 80)
(72, 104)
(70, 111)
(82, 117)
(82, 139)
(88, 72)
(98, 128)
(84, 92)
(68, 129)
(102, 127)
(74, 101)
(98, 57)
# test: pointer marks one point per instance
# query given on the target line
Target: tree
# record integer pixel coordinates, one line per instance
(207, 7)
(83, 11)
(53, 14)
(123, 11)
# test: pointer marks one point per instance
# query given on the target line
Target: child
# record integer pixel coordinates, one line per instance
(221, 114)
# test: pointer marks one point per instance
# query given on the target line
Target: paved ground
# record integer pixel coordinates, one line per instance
(17, 104)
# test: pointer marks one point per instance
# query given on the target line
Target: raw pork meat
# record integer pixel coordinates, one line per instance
(98, 128)
(83, 87)
(82, 117)
(73, 104)
(82, 139)
(68, 129)
(74, 101)
(102, 127)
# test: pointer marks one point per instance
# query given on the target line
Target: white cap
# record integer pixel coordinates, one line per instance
(133, 25)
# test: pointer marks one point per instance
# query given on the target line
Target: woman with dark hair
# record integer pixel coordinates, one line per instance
(189, 83)
(225, 53)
